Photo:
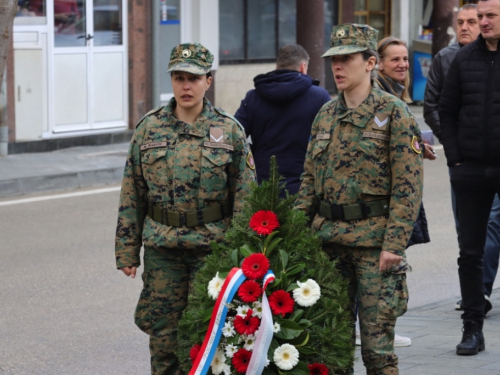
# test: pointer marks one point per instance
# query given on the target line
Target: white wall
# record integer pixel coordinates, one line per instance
(200, 23)
(233, 81)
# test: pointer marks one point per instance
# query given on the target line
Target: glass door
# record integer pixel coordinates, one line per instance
(88, 65)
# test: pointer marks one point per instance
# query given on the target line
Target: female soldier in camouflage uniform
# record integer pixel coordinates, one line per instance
(362, 187)
(187, 168)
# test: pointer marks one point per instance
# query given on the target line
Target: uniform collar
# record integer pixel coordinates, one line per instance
(200, 127)
(360, 115)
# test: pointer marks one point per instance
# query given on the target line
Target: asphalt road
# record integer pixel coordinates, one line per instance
(65, 309)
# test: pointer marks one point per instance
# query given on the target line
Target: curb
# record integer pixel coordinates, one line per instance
(60, 182)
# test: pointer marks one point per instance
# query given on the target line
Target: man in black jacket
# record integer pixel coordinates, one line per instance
(467, 32)
(278, 115)
(469, 111)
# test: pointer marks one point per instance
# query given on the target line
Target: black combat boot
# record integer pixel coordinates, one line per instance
(472, 338)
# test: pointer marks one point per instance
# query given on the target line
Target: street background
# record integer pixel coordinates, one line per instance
(65, 309)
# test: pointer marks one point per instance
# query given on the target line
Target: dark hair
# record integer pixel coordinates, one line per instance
(381, 48)
(371, 53)
(291, 56)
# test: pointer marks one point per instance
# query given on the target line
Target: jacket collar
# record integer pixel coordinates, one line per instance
(199, 127)
(360, 115)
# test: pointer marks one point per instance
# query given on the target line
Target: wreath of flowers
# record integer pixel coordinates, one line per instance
(311, 330)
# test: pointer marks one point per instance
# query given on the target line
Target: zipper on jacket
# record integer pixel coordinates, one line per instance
(486, 123)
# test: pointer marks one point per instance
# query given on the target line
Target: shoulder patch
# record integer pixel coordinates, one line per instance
(415, 145)
(250, 161)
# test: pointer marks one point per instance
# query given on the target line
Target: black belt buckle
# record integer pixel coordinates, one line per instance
(182, 219)
(199, 214)
(365, 210)
(337, 212)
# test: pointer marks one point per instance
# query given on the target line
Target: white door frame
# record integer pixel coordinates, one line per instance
(91, 127)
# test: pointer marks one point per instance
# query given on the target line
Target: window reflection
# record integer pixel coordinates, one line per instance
(69, 23)
(31, 12)
(108, 22)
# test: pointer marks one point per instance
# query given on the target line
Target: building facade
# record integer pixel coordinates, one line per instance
(85, 71)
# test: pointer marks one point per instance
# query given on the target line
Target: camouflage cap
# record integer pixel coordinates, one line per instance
(190, 57)
(351, 38)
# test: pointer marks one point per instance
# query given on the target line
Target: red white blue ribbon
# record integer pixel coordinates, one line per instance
(264, 334)
(204, 359)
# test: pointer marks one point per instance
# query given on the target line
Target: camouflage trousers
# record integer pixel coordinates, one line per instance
(168, 275)
(381, 298)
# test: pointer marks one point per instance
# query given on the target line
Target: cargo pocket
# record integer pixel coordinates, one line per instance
(154, 168)
(214, 170)
(142, 314)
(393, 296)
(320, 164)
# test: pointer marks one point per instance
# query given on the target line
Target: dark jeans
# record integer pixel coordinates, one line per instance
(492, 247)
(475, 186)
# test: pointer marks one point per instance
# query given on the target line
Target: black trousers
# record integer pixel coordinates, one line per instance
(475, 186)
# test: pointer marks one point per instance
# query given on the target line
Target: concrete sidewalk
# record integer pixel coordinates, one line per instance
(436, 330)
(71, 168)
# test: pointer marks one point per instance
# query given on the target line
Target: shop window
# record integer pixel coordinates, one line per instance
(254, 30)
(375, 13)
(107, 22)
(31, 12)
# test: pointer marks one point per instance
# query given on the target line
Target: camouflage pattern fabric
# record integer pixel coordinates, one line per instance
(168, 276)
(180, 168)
(382, 297)
(362, 154)
(191, 58)
(351, 38)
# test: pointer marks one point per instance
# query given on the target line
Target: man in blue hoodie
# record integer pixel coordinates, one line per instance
(278, 115)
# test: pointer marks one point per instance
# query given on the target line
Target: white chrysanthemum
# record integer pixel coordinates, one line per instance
(307, 294)
(228, 330)
(276, 327)
(226, 369)
(286, 357)
(242, 310)
(267, 362)
(230, 350)
(257, 309)
(249, 342)
(218, 362)
(214, 286)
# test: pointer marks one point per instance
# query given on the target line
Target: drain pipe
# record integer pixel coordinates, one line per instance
(4, 140)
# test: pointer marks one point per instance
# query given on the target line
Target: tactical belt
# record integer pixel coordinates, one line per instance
(190, 218)
(361, 210)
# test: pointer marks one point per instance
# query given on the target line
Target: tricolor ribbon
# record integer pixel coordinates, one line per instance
(264, 334)
(212, 338)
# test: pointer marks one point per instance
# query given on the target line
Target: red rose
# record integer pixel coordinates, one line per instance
(241, 359)
(255, 266)
(249, 291)
(264, 222)
(247, 325)
(193, 353)
(281, 303)
(318, 369)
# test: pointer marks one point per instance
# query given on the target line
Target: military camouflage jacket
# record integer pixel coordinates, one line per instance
(180, 167)
(363, 154)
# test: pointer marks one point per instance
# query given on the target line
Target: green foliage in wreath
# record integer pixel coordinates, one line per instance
(321, 333)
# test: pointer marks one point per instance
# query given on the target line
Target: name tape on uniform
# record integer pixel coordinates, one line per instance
(383, 137)
(218, 145)
(153, 145)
